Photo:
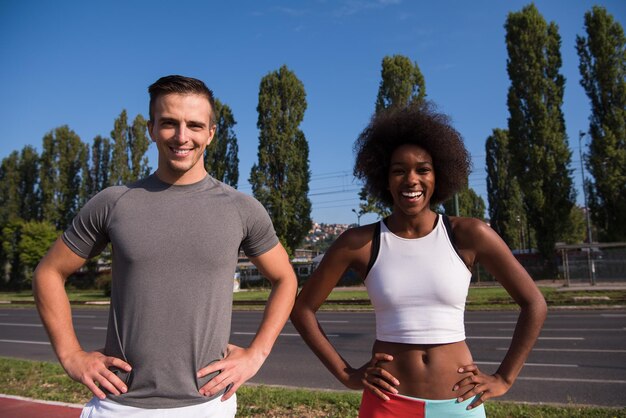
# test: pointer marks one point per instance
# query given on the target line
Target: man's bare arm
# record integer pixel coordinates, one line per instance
(90, 369)
(241, 364)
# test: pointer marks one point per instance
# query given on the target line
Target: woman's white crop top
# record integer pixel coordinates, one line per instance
(418, 288)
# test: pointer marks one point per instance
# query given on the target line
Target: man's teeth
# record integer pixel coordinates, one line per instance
(180, 151)
(412, 194)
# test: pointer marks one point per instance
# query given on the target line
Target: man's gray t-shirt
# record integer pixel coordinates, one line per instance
(175, 252)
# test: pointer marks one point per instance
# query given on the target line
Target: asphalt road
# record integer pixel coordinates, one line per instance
(580, 357)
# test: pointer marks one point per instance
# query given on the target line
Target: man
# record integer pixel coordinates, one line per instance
(175, 237)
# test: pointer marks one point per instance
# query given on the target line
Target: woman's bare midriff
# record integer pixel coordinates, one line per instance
(428, 371)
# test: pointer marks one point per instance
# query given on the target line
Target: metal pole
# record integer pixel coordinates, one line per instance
(358, 217)
(590, 263)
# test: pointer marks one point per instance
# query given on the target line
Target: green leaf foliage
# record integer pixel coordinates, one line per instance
(603, 76)
(402, 84)
(35, 240)
(506, 213)
(120, 172)
(63, 159)
(9, 187)
(470, 204)
(280, 178)
(221, 157)
(130, 144)
(100, 167)
(540, 156)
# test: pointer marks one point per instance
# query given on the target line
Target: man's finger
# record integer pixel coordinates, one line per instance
(119, 363)
(91, 385)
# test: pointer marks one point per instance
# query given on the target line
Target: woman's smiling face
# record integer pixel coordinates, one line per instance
(411, 179)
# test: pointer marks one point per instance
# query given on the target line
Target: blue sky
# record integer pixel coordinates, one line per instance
(79, 63)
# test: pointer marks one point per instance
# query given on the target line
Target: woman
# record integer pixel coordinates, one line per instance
(416, 265)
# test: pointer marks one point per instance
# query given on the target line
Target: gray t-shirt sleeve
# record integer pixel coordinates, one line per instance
(258, 235)
(87, 234)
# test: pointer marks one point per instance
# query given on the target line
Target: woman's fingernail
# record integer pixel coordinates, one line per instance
(455, 388)
(461, 370)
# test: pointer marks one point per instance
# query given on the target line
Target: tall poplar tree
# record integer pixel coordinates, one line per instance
(603, 70)
(506, 213)
(402, 84)
(100, 167)
(537, 140)
(221, 157)
(120, 171)
(130, 144)
(280, 178)
(138, 144)
(62, 162)
(10, 188)
(28, 186)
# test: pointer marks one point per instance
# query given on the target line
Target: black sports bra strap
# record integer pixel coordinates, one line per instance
(446, 222)
(375, 248)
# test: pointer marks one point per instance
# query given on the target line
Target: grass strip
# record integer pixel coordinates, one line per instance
(48, 381)
(479, 298)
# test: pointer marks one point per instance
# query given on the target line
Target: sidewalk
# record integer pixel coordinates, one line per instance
(19, 407)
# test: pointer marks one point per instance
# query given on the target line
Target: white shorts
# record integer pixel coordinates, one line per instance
(214, 408)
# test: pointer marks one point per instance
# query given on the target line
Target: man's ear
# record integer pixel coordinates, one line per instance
(212, 131)
(150, 126)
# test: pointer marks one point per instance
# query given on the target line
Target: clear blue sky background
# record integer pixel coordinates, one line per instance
(81, 62)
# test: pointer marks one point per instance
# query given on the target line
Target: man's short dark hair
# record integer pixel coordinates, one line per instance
(417, 125)
(178, 84)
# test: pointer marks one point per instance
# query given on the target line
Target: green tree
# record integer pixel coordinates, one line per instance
(138, 144)
(537, 141)
(10, 188)
(130, 144)
(575, 232)
(35, 240)
(280, 178)
(402, 84)
(23, 246)
(506, 213)
(62, 161)
(100, 167)
(221, 159)
(470, 204)
(603, 70)
(11, 266)
(28, 186)
(120, 171)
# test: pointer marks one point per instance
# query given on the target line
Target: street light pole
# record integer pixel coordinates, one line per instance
(590, 261)
(358, 217)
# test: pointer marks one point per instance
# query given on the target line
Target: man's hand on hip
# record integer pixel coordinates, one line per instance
(92, 370)
(238, 366)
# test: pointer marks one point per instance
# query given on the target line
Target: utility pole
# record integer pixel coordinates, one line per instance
(590, 262)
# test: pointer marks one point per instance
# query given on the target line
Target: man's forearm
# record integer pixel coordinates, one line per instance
(277, 310)
(55, 312)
